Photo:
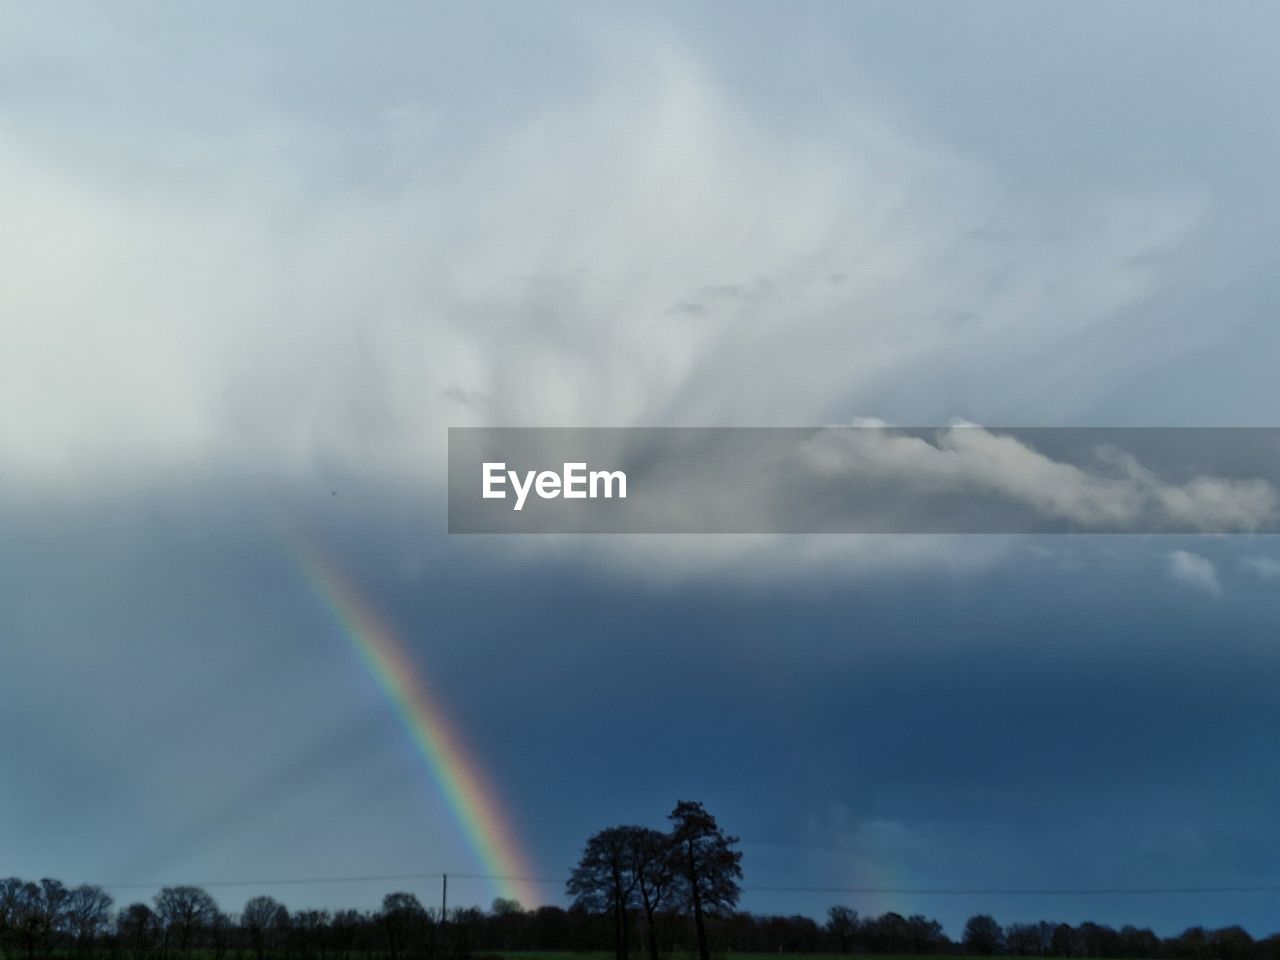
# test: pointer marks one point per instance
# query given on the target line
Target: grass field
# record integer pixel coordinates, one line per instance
(606, 955)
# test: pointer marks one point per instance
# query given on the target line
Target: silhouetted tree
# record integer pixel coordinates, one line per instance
(652, 865)
(982, 935)
(604, 881)
(1232, 943)
(1191, 944)
(1098, 940)
(707, 867)
(311, 930)
(88, 913)
(12, 903)
(137, 929)
(49, 906)
(220, 929)
(841, 923)
(1064, 942)
(1139, 943)
(344, 930)
(1045, 929)
(25, 913)
(404, 920)
(550, 928)
(263, 920)
(1023, 940)
(182, 912)
(887, 933)
(508, 921)
(925, 936)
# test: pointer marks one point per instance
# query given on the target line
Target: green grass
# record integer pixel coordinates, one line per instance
(607, 955)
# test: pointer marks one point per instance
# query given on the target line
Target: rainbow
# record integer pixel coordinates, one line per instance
(474, 803)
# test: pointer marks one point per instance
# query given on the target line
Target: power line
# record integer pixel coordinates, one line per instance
(273, 882)
(901, 891)
(1024, 892)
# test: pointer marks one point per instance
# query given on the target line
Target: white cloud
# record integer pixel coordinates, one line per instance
(1265, 568)
(1194, 571)
(276, 289)
(220, 274)
(967, 456)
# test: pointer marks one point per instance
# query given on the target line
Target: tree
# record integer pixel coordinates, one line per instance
(88, 910)
(24, 904)
(182, 911)
(403, 917)
(925, 936)
(549, 928)
(1100, 940)
(36, 912)
(312, 931)
(220, 934)
(604, 881)
(1139, 943)
(1191, 944)
(841, 922)
(508, 921)
(982, 935)
(344, 929)
(888, 933)
(263, 919)
(1231, 943)
(652, 866)
(11, 905)
(136, 927)
(505, 907)
(6, 913)
(1023, 940)
(706, 865)
(51, 911)
(1063, 941)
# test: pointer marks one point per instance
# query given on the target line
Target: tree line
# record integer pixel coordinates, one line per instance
(636, 891)
(46, 920)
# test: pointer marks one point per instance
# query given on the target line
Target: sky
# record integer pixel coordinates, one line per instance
(257, 261)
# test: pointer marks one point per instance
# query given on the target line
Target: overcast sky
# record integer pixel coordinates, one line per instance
(257, 260)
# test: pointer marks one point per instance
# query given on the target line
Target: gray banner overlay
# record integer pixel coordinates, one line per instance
(864, 479)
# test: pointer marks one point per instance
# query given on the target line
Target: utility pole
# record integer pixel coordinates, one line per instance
(442, 943)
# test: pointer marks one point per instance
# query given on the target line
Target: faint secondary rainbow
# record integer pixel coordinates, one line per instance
(473, 802)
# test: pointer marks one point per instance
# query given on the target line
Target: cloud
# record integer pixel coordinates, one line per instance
(1120, 495)
(300, 285)
(279, 272)
(1265, 568)
(1194, 571)
(467, 398)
